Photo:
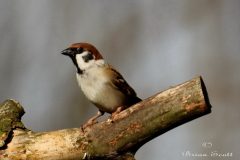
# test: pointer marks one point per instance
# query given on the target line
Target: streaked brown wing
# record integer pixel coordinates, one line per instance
(119, 82)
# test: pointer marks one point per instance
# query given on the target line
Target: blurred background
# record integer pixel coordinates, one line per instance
(154, 44)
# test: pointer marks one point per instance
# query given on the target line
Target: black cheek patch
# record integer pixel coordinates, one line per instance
(88, 57)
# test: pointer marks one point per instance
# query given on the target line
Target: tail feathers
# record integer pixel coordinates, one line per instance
(135, 100)
(138, 100)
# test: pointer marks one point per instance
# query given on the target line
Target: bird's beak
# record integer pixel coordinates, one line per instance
(67, 52)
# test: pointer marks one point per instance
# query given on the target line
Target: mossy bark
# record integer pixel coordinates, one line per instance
(10, 118)
(131, 129)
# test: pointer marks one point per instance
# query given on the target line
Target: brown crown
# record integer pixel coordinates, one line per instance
(87, 47)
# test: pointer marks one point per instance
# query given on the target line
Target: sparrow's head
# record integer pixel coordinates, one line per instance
(84, 56)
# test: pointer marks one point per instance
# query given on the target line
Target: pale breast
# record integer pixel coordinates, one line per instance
(91, 82)
(97, 89)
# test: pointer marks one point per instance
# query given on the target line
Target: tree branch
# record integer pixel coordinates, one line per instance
(131, 129)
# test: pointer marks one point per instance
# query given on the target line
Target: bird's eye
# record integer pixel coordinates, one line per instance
(80, 49)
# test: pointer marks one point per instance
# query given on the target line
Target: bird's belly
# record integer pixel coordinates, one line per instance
(110, 99)
(103, 95)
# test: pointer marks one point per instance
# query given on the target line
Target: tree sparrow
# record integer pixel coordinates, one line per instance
(102, 84)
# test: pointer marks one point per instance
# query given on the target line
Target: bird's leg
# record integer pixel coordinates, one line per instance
(91, 121)
(119, 109)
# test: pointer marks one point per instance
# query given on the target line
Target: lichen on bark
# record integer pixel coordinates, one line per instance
(10, 118)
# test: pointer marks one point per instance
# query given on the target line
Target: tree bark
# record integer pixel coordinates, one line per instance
(130, 129)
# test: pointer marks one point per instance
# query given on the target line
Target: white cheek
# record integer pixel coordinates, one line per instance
(81, 63)
(100, 62)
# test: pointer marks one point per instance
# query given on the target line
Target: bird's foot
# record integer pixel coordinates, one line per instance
(92, 120)
(119, 109)
(89, 123)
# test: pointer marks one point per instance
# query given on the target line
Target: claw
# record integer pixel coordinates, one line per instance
(109, 120)
(92, 120)
(119, 109)
(89, 123)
